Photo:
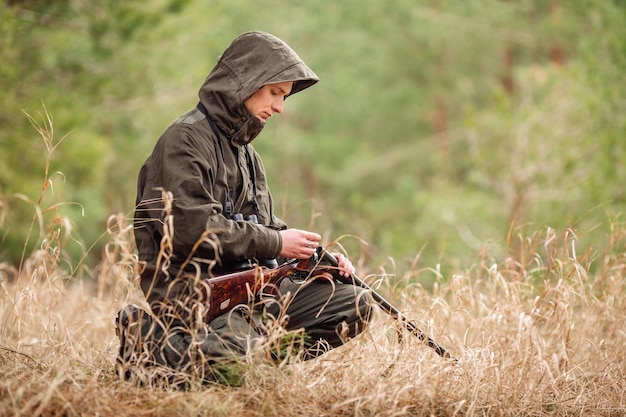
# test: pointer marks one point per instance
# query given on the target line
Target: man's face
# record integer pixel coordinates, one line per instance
(268, 100)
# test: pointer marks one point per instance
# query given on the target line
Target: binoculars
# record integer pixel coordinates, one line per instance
(249, 263)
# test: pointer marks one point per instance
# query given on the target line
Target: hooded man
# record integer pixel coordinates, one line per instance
(201, 179)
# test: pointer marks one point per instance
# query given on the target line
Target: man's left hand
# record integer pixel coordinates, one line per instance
(346, 269)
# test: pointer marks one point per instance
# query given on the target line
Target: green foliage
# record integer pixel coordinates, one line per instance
(436, 127)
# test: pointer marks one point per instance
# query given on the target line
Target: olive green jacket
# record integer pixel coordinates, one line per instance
(187, 164)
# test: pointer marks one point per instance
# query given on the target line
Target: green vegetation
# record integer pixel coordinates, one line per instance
(437, 126)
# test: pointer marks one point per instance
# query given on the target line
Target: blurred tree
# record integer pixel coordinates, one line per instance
(434, 126)
(58, 57)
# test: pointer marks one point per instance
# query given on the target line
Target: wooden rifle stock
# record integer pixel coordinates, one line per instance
(389, 308)
(227, 291)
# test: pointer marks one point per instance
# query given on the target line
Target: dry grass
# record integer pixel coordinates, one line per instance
(536, 334)
(537, 338)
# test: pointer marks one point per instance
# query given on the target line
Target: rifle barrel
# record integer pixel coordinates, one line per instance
(393, 311)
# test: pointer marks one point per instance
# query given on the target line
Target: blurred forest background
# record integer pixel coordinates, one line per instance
(440, 129)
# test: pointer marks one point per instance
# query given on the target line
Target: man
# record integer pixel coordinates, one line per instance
(202, 178)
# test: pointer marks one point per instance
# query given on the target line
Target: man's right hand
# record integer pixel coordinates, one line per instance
(299, 244)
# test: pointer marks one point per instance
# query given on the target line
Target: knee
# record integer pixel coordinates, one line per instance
(361, 312)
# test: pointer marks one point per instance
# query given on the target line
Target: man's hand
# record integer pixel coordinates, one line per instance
(299, 244)
(346, 269)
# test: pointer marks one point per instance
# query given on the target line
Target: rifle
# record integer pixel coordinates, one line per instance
(388, 308)
(230, 290)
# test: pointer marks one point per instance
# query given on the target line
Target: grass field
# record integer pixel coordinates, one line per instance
(539, 332)
(535, 334)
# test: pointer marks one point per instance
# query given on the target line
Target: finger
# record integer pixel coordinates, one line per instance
(311, 244)
(307, 250)
(345, 266)
(313, 237)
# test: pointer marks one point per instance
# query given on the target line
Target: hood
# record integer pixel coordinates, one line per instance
(252, 60)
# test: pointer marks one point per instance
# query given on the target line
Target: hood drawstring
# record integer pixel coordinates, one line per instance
(228, 206)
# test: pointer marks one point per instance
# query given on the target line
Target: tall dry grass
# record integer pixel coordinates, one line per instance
(536, 334)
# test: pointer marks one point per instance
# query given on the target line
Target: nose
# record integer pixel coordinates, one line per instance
(278, 105)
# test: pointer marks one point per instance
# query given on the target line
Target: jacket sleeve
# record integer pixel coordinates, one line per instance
(187, 166)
